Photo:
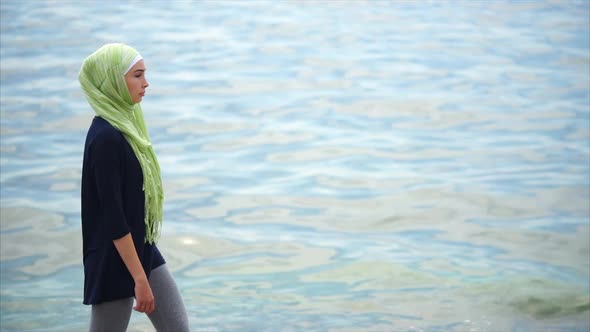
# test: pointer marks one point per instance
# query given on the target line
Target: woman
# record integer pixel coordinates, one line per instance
(122, 200)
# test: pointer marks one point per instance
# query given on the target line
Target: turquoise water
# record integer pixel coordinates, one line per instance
(328, 166)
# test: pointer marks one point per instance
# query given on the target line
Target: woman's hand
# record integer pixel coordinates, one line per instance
(144, 299)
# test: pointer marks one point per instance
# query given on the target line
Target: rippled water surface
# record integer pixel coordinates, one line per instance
(328, 166)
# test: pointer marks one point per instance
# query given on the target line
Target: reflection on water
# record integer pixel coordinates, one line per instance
(328, 166)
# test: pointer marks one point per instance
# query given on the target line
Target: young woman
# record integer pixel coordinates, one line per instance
(122, 200)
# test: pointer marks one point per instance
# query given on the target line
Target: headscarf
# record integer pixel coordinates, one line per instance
(102, 79)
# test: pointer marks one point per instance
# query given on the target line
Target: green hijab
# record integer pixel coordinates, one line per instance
(102, 79)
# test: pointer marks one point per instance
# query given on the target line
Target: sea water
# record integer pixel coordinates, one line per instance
(327, 165)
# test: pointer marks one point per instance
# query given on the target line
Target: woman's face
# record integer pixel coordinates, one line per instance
(136, 82)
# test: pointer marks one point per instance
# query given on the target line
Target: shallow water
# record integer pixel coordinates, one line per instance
(328, 166)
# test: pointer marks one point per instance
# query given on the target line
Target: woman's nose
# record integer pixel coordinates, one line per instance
(146, 84)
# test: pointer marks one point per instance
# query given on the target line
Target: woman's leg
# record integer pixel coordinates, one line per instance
(111, 316)
(170, 313)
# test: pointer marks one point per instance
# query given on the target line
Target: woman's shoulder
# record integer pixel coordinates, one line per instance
(101, 132)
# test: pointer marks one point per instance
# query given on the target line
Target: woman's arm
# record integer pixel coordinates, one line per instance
(143, 293)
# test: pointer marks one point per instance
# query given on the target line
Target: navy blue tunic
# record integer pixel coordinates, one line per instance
(112, 206)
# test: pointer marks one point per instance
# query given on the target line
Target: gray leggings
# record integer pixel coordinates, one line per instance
(169, 315)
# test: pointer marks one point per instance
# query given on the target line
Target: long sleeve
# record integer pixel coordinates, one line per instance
(106, 169)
